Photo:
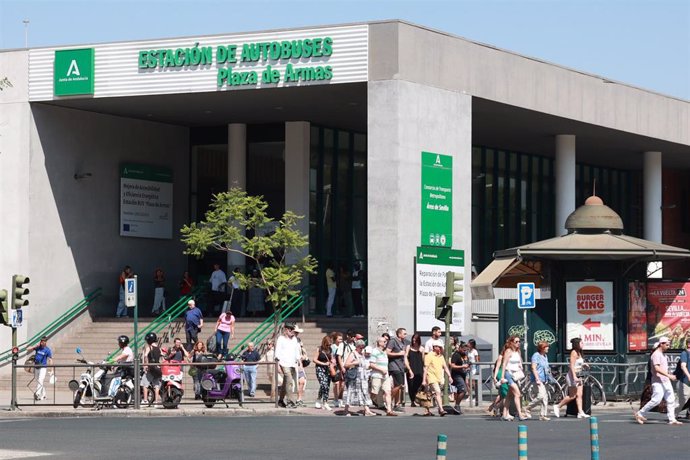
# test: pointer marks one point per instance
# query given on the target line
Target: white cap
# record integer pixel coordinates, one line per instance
(662, 339)
(191, 302)
(437, 343)
(368, 349)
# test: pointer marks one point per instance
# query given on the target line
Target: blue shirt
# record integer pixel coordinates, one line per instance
(542, 363)
(42, 355)
(193, 318)
(684, 358)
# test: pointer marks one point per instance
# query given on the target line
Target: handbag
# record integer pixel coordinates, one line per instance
(423, 398)
(351, 374)
(306, 362)
(518, 375)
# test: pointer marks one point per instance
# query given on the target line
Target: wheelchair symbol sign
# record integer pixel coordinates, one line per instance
(130, 292)
(525, 295)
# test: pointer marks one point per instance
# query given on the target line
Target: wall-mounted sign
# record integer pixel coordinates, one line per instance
(437, 200)
(146, 201)
(668, 312)
(431, 267)
(73, 72)
(637, 316)
(590, 314)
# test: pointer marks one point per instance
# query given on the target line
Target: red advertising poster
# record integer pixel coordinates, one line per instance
(637, 316)
(668, 312)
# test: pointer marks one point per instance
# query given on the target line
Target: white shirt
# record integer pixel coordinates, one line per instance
(428, 347)
(217, 279)
(235, 283)
(127, 351)
(288, 351)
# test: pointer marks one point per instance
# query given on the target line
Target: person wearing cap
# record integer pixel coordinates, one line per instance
(287, 355)
(193, 322)
(435, 370)
(435, 335)
(380, 379)
(661, 384)
(301, 374)
(42, 358)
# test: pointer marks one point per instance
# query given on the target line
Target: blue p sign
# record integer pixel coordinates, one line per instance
(525, 295)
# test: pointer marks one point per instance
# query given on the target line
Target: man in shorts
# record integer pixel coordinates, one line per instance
(459, 365)
(152, 376)
(397, 365)
(435, 370)
(380, 380)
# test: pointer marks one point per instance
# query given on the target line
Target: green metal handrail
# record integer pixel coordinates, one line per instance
(265, 328)
(74, 311)
(164, 320)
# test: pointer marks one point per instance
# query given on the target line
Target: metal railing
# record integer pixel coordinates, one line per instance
(64, 319)
(266, 328)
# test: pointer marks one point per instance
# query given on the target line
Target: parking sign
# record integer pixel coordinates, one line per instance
(525, 295)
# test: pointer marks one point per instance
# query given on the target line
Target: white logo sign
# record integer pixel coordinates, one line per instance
(525, 295)
(73, 69)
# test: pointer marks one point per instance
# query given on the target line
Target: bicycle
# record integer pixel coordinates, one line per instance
(554, 390)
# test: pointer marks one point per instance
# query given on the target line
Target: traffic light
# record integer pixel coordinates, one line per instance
(19, 291)
(453, 290)
(15, 354)
(442, 307)
(4, 317)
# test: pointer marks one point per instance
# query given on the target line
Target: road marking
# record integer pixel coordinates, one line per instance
(10, 454)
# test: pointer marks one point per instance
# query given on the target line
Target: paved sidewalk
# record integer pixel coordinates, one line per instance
(189, 408)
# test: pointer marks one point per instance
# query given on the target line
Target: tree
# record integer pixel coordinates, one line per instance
(237, 222)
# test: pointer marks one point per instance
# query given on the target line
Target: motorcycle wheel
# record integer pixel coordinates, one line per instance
(209, 403)
(77, 397)
(172, 398)
(122, 398)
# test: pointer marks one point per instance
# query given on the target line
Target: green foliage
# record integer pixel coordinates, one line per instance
(237, 222)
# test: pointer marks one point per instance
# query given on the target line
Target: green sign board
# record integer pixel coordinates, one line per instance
(437, 200)
(73, 72)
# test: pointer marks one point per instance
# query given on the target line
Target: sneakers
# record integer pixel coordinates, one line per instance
(582, 415)
(326, 406)
(299, 403)
(544, 418)
(281, 403)
(291, 405)
(317, 405)
(556, 411)
(509, 418)
(675, 422)
(456, 410)
(526, 415)
(638, 418)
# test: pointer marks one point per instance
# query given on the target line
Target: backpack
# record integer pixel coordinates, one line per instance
(154, 356)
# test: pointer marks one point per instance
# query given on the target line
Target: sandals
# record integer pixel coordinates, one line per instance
(428, 414)
(442, 413)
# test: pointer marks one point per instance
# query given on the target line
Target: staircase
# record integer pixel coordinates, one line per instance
(98, 337)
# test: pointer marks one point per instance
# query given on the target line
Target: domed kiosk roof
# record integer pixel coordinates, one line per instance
(594, 217)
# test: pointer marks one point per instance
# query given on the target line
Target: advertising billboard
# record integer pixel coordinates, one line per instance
(590, 314)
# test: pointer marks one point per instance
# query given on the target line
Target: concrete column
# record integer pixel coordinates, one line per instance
(237, 172)
(652, 205)
(565, 179)
(297, 145)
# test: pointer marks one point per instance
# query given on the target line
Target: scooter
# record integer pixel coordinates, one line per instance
(172, 390)
(222, 384)
(103, 389)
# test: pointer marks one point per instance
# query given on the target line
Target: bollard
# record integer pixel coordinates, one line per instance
(441, 443)
(522, 442)
(594, 437)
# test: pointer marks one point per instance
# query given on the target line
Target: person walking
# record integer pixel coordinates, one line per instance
(661, 384)
(219, 285)
(435, 370)
(287, 356)
(540, 375)
(512, 375)
(158, 292)
(193, 322)
(496, 407)
(398, 366)
(356, 386)
(473, 376)
(683, 376)
(121, 311)
(324, 365)
(225, 330)
(459, 366)
(415, 357)
(337, 352)
(43, 357)
(574, 380)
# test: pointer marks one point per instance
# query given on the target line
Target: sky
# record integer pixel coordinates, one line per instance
(643, 43)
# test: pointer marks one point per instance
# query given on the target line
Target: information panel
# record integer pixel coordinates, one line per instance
(146, 201)
(590, 314)
(431, 267)
(668, 312)
(437, 200)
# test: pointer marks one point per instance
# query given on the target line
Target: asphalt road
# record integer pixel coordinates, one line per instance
(316, 437)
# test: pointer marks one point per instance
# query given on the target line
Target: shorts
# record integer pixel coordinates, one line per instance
(435, 388)
(398, 378)
(458, 385)
(149, 380)
(301, 374)
(379, 384)
(509, 378)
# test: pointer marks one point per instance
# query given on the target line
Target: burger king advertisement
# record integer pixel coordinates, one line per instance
(590, 313)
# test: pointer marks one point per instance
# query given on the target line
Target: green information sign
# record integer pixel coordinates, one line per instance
(437, 200)
(73, 72)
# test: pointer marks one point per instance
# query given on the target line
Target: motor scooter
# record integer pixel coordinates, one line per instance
(222, 384)
(172, 390)
(102, 389)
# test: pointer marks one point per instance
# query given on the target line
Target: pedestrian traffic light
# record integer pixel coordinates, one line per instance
(15, 354)
(442, 307)
(4, 317)
(453, 290)
(19, 291)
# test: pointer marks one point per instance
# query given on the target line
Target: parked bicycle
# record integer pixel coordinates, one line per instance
(598, 394)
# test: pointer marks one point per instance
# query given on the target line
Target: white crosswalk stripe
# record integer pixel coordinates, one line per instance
(6, 454)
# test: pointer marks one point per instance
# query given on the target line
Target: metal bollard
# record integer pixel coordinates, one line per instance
(441, 443)
(594, 437)
(522, 442)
